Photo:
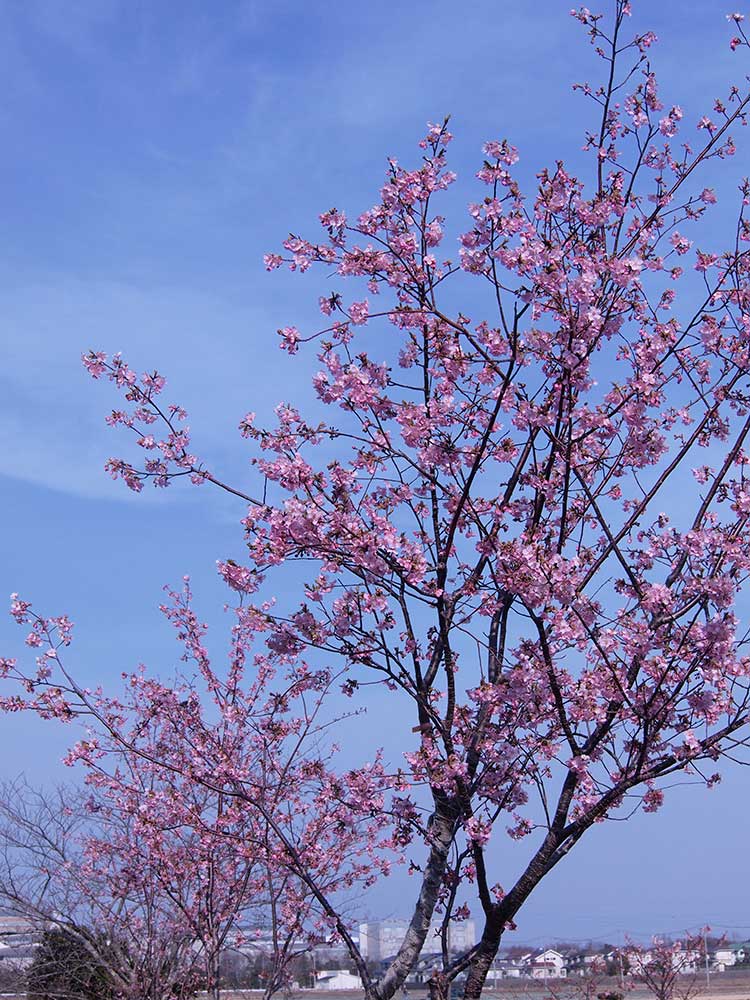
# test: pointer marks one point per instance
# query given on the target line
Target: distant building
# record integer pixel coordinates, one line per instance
(740, 952)
(337, 979)
(381, 939)
(544, 964)
(588, 963)
(684, 961)
(723, 958)
(13, 928)
(688, 961)
(504, 968)
(727, 955)
(18, 940)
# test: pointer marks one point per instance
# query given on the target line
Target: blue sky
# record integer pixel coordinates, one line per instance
(152, 151)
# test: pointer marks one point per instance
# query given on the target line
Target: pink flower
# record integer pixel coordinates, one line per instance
(95, 363)
(705, 260)
(478, 831)
(681, 245)
(359, 312)
(240, 578)
(653, 799)
(19, 609)
(153, 382)
(290, 338)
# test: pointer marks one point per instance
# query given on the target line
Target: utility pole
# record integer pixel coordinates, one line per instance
(705, 956)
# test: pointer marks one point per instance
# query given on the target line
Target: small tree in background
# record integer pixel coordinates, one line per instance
(670, 970)
(63, 969)
(594, 982)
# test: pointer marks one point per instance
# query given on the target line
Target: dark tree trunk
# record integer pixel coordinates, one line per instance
(500, 915)
(438, 986)
(480, 966)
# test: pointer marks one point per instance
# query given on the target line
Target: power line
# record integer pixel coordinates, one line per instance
(635, 932)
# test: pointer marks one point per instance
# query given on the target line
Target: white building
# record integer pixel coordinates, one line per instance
(728, 955)
(723, 958)
(547, 964)
(18, 940)
(683, 960)
(588, 963)
(503, 968)
(380, 939)
(688, 961)
(337, 979)
(14, 928)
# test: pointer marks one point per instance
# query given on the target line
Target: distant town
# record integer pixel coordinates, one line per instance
(326, 967)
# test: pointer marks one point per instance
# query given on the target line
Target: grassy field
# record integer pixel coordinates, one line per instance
(723, 986)
(733, 985)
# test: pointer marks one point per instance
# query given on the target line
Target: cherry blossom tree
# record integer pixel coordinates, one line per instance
(521, 506)
(208, 856)
(669, 969)
(592, 982)
(213, 800)
(151, 882)
(186, 858)
(284, 944)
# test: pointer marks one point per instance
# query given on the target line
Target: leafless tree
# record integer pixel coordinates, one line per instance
(122, 923)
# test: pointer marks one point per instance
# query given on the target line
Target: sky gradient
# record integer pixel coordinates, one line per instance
(152, 152)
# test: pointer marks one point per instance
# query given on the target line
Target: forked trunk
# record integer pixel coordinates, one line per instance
(442, 831)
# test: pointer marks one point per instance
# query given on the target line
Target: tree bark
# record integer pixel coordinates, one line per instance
(481, 963)
(442, 830)
(502, 913)
(438, 986)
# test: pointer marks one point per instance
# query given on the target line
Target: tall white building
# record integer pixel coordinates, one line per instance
(380, 939)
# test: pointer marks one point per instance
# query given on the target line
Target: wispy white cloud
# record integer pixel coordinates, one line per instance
(220, 359)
